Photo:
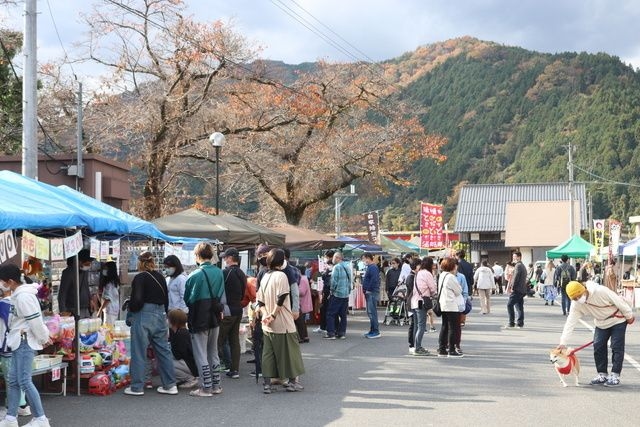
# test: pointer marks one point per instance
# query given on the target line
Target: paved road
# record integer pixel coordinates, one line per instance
(505, 379)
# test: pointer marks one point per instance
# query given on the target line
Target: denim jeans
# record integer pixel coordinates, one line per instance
(19, 378)
(516, 300)
(372, 309)
(600, 352)
(5, 366)
(149, 325)
(566, 301)
(420, 315)
(338, 308)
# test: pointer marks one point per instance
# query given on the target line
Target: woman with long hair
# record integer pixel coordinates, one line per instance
(110, 296)
(176, 280)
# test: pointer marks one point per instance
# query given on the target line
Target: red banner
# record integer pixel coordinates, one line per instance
(431, 224)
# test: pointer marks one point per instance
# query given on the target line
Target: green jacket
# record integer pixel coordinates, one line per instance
(205, 308)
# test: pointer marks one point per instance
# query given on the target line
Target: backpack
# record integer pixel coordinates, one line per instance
(565, 276)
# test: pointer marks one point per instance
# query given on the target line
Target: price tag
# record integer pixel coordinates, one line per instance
(55, 374)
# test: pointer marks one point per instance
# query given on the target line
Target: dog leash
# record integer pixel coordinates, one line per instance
(575, 350)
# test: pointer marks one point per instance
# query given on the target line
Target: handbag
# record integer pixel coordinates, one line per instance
(437, 310)
(427, 302)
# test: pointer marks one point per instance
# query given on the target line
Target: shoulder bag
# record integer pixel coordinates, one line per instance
(427, 302)
(436, 302)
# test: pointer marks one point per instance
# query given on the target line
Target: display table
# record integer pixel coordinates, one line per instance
(63, 374)
(50, 369)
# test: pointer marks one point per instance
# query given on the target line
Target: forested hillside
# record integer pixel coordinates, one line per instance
(509, 113)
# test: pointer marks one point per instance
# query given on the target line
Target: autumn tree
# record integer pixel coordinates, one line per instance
(345, 125)
(167, 77)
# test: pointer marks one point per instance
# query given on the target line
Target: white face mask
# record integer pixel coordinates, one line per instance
(582, 299)
(4, 287)
(85, 268)
(170, 271)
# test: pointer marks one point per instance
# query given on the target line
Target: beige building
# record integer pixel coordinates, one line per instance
(494, 219)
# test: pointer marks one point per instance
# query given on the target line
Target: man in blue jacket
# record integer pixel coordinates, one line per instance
(371, 289)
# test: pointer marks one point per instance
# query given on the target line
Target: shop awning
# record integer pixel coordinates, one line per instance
(298, 238)
(230, 230)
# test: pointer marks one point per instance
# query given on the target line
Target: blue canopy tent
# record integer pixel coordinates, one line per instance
(28, 204)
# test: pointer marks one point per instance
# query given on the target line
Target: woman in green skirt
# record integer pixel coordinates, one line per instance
(281, 357)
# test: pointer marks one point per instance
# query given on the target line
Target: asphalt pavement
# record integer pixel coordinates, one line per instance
(505, 379)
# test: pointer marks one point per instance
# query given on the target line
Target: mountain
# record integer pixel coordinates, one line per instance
(509, 114)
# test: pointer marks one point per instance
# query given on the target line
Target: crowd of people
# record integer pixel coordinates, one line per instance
(191, 323)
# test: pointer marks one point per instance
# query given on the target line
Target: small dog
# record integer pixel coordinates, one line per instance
(566, 363)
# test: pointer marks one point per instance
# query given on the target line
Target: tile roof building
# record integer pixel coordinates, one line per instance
(495, 218)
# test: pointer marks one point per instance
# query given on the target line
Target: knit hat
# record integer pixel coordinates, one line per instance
(575, 289)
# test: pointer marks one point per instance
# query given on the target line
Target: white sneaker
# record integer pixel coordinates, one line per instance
(36, 422)
(131, 392)
(412, 350)
(319, 331)
(170, 390)
(24, 412)
(7, 423)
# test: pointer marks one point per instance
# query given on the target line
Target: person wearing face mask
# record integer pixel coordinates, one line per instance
(67, 290)
(176, 280)
(203, 293)
(611, 315)
(110, 300)
(27, 333)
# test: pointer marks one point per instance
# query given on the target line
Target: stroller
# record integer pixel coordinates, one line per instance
(396, 312)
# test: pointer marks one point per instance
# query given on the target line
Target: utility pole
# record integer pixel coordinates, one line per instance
(571, 191)
(340, 198)
(29, 92)
(80, 171)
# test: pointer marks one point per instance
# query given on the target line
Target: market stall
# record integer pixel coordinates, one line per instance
(48, 225)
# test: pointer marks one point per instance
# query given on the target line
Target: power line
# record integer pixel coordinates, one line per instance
(55, 27)
(605, 180)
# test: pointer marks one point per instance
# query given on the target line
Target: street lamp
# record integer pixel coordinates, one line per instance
(217, 140)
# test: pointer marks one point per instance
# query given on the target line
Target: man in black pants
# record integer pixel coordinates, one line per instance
(326, 292)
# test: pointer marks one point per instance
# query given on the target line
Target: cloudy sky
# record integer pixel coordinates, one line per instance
(306, 30)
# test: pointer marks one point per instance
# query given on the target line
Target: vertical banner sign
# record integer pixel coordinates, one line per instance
(72, 244)
(104, 250)
(598, 233)
(42, 248)
(614, 237)
(115, 249)
(28, 243)
(57, 249)
(10, 244)
(431, 224)
(94, 248)
(372, 226)
(3, 248)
